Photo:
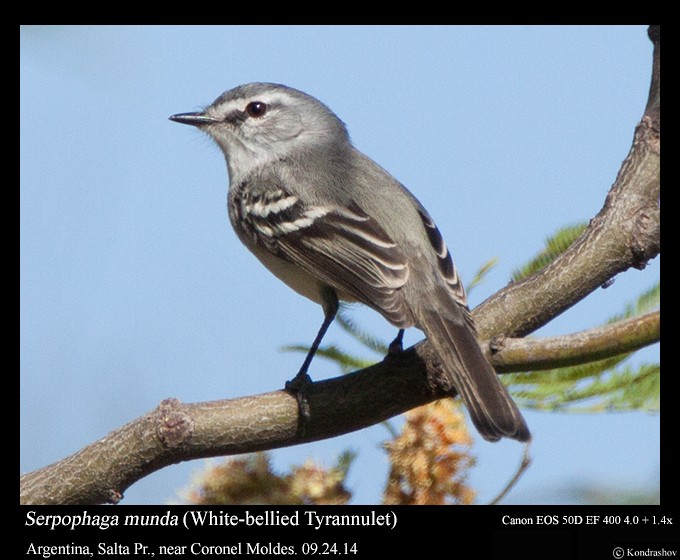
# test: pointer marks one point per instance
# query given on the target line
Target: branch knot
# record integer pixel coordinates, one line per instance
(175, 425)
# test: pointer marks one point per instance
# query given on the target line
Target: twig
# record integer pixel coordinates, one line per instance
(627, 335)
(523, 466)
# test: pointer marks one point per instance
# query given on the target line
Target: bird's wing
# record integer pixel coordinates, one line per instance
(446, 268)
(341, 246)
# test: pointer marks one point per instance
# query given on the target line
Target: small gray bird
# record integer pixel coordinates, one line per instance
(334, 225)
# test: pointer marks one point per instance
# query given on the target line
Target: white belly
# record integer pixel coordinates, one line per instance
(294, 277)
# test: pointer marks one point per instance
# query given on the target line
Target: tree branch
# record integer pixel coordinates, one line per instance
(627, 335)
(177, 432)
(626, 230)
(624, 234)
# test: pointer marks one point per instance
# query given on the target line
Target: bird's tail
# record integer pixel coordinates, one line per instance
(491, 407)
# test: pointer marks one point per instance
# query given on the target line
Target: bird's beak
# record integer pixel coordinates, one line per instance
(194, 119)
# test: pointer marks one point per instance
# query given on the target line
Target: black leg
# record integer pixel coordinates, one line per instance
(301, 382)
(302, 378)
(396, 346)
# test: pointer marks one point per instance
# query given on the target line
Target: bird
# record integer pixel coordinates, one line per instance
(335, 226)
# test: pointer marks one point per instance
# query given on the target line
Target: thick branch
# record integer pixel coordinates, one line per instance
(177, 432)
(624, 234)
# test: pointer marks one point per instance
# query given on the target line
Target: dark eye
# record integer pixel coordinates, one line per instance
(256, 109)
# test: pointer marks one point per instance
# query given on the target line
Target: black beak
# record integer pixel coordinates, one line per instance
(194, 119)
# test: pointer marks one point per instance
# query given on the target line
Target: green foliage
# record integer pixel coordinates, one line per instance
(366, 338)
(593, 387)
(346, 361)
(646, 301)
(555, 245)
(345, 461)
(481, 273)
(603, 385)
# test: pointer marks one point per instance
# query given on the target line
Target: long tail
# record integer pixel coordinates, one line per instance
(491, 408)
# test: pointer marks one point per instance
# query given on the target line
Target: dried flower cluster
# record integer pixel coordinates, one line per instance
(251, 480)
(431, 457)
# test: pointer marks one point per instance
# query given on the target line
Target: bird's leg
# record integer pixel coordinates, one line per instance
(396, 346)
(301, 382)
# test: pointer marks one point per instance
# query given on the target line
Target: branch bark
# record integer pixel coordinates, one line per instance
(522, 354)
(624, 234)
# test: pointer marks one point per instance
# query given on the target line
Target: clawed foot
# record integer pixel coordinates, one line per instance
(298, 386)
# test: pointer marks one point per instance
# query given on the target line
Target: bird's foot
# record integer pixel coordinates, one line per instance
(299, 386)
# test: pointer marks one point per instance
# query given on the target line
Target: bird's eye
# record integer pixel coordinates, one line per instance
(256, 109)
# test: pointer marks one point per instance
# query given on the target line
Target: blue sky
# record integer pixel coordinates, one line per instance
(134, 287)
